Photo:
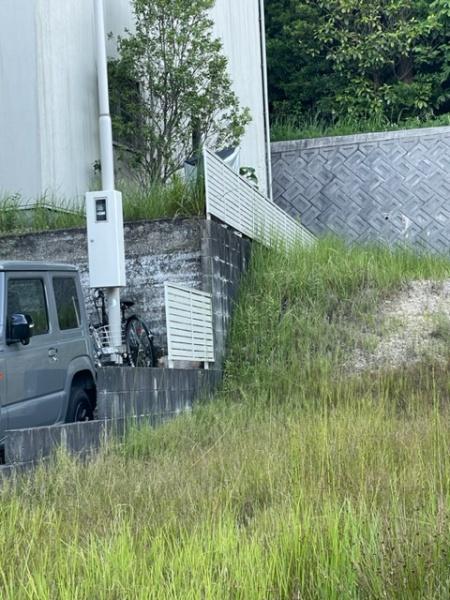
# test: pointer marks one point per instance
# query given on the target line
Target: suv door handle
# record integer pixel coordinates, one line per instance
(53, 353)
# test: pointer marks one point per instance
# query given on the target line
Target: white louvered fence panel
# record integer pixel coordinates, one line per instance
(233, 200)
(189, 324)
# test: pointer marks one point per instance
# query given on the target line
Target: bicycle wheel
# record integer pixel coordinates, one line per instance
(138, 342)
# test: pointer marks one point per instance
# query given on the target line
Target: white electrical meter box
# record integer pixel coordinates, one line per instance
(106, 249)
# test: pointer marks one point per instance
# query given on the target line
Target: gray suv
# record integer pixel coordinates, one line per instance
(47, 371)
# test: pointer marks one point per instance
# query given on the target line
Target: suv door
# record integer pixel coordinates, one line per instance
(74, 342)
(34, 378)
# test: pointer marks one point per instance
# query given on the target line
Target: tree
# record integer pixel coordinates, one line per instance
(387, 59)
(170, 89)
(386, 54)
(299, 75)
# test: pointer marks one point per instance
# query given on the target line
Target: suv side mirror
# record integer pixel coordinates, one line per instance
(20, 329)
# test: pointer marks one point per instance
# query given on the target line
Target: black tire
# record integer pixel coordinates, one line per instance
(80, 406)
(139, 344)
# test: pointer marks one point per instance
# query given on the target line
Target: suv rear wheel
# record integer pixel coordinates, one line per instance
(80, 407)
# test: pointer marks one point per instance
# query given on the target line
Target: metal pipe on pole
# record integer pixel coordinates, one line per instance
(107, 156)
(106, 139)
(265, 97)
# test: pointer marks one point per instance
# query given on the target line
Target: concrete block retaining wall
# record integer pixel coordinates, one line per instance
(390, 187)
(156, 251)
(193, 252)
(123, 392)
(126, 397)
(225, 257)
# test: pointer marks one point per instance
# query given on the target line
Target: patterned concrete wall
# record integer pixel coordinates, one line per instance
(391, 187)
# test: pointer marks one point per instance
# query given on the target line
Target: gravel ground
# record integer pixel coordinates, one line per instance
(408, 328)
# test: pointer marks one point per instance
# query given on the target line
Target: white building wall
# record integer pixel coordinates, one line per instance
(19, 124)
(48, 90)
(68, 105)
(118, 17)
(237, 23)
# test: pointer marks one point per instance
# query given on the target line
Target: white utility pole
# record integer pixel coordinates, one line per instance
(265, 97)
(106, 139)
(104, 209)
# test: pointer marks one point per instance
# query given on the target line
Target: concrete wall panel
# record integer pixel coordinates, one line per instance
(126, 398)
(238, 25)
(390, 187)
(155, 252)
(68, 104)
(19, 123)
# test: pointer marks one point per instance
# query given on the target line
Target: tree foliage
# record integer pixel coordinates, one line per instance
(170, 89)
(360, 58)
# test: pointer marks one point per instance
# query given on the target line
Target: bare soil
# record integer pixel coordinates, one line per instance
(408, 328)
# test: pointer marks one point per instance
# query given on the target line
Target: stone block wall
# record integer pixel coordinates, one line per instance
(392, 187)
(193, 252)
(225, 257)
(155, 251)
(126, 392)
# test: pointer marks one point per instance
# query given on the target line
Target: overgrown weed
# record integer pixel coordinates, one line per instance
(176, 199)
(313, 126)
(179, 198)
(297, 481)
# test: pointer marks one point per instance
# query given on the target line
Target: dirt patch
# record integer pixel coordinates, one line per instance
(408, 328)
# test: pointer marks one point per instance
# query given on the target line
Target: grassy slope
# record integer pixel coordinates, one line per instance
(297, 482)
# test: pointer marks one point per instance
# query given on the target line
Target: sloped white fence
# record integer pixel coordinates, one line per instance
(233, 200)
(189, 325)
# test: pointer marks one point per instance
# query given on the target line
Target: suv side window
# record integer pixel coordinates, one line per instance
(27, 296)
(67, 306)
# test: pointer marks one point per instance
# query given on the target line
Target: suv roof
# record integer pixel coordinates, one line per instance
(28, 265)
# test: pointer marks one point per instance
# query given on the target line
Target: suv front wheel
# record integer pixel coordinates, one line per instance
(80, 407)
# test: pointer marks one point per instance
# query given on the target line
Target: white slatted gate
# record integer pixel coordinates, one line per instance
(233, 200)
(189, 325)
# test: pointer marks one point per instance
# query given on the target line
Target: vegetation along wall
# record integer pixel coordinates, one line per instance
(392, 187)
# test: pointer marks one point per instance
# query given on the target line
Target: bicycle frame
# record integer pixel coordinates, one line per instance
(130, 341)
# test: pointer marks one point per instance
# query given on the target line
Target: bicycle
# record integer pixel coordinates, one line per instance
(137, 340)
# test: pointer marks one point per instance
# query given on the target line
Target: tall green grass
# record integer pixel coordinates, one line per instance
(308, 309)
(313, 126)
(45, 213)
(176, 199)
(300, 480)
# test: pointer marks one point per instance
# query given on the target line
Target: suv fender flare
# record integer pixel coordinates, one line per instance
(80, 366)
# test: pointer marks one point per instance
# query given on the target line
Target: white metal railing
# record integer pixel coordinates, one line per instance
(189, 324)
(233, 200)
